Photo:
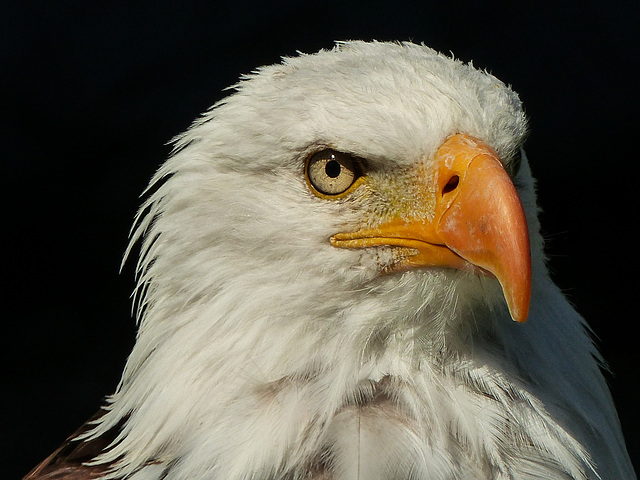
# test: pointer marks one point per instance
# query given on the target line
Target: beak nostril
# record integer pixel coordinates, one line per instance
(451, 184)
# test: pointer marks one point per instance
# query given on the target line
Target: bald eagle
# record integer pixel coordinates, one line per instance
(341, 276)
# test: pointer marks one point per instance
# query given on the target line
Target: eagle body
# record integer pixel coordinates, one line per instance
(278, 341)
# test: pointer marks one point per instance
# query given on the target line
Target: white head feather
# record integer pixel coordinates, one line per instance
(265, 352)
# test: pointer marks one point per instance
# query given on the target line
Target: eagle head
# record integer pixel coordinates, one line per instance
(331, 261)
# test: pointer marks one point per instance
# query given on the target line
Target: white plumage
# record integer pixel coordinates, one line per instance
(266, 352)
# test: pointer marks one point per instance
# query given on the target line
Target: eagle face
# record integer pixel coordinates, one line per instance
(331, 262)
(246, 179)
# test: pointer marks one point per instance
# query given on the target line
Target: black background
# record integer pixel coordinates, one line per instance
(91, 92)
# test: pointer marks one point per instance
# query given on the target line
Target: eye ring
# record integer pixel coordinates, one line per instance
(331, 173)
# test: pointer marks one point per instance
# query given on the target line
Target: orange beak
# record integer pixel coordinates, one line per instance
(478, 221)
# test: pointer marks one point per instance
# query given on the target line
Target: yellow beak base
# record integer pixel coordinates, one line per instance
(478, 222)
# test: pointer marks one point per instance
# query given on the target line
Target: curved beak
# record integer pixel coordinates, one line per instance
(477, 220)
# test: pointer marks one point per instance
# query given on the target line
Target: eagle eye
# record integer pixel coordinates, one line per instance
(330, 172)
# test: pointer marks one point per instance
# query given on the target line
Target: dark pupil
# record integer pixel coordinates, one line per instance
(332, 169)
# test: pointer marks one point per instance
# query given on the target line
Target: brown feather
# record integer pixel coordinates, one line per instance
(69, 461)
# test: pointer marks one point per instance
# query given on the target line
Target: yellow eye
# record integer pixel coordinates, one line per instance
(331, 172)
